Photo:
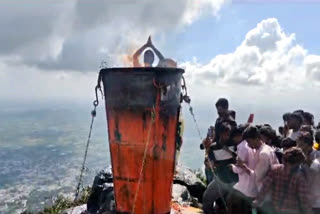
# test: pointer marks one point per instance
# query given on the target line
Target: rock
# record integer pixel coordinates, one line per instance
(102, 197)
(76, 210)
(187, 189)
(186, 177)
(180, 193)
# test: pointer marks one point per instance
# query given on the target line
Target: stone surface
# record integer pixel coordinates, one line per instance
(76, 210)
(187, 190)
(186, 177)
(102, 197)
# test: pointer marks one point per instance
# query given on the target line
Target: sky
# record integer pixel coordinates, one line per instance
(262, 55)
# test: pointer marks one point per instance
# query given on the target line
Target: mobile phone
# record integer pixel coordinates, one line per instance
(250, 119)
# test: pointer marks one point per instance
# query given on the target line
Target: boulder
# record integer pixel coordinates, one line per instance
(186, 177)
(181, 194)
(76, 210)
(102, 197)
(187, 189)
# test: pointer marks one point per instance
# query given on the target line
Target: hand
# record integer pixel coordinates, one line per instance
(230, 167)
(149, 42)
(240, 163)
(255, 204)
(206, 142)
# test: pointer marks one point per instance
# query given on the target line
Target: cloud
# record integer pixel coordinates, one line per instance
(70, 35)
(268, 57)
(312, 64)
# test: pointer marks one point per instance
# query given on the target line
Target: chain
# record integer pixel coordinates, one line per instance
(153, 118)
(195, 122)
(93, 115)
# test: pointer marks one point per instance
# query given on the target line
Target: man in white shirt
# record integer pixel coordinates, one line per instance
(245, 190)
(264, 156)
(264, 159)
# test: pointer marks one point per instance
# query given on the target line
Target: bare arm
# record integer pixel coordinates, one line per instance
(159, 55)
(137, 54)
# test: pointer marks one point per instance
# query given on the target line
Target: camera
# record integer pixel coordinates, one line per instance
(210, 134)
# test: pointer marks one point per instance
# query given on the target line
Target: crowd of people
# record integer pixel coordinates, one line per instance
(253, 169)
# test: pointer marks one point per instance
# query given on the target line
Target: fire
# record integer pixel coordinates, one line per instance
(127, 58)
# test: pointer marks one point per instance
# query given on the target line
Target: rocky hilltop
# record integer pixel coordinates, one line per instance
(187, 193)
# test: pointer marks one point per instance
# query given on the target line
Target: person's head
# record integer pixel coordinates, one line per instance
(317, 136)
(148, 58)
(285, 118)
(308, 118)
(287, 143)
(299, 111)
(267, 134)
(222, 106)
(293, 157)
(252, 136)
(305, 142)
(307, 128)
(281, 130)
(295, 121)
(236, 134)
(225, 131)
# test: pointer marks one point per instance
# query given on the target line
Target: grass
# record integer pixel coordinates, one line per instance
(62, 203)
(200, 175)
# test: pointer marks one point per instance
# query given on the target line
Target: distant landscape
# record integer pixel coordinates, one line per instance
(41, 151)
(42, 146)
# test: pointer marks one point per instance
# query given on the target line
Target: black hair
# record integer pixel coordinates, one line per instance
(251, 132)
(294, 155)
(297, 116)
(317, 136)
(269, 132)
(288, 143)
(309, 118)
(299, 111)
(306, 138)
(222, 102)
(307, 128)
(224, 127)
(286, 116)
(281, 130)
(238, 130)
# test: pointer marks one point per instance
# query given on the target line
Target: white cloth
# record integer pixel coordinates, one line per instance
(222, 154)
(293, 135)
(246, 184)
(264, 159)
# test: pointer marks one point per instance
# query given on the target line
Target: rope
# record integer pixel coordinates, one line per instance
(144, 159)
